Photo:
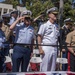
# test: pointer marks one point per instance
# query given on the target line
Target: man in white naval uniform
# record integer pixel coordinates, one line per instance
(48, 34)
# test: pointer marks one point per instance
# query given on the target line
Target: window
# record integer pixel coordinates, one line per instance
(5, 11)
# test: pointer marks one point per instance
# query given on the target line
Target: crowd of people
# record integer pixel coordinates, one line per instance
(17, 33)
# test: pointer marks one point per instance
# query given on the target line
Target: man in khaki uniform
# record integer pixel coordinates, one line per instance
(7, 31)
(5, 26)
(71, 42)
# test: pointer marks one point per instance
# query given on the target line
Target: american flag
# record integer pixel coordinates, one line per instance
(41, 73)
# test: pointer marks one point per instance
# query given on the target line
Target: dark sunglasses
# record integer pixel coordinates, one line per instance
(55, 14)
(27, 18)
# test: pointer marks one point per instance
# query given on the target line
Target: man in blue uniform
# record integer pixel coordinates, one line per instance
(2, 53)
(25, 35)
(40, 20)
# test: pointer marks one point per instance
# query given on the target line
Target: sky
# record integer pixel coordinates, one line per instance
(1, 0)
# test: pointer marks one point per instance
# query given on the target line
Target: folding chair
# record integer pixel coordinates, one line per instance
(35, 61)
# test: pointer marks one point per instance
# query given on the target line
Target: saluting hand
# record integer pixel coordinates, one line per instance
(20, 18)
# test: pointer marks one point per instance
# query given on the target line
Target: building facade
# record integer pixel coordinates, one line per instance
(6, 8)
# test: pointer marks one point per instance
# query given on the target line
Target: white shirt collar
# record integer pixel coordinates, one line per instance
(49, 23)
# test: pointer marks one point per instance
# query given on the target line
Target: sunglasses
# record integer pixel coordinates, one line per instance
(27, 18)
(55, 14)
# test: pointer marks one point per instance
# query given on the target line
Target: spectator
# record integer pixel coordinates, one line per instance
(63, 33)
(70, 40)
(40, 20)
(2, 53)
(14, 15)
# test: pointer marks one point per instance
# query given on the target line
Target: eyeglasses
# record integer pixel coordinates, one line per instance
(55, 14)
(68, 23)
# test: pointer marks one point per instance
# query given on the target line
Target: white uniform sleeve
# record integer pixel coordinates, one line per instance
(11, 21)
(58, 33)
(42, 30)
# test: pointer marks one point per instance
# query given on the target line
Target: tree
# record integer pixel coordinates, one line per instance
(13, 2)
(24, 2)
(38, 7)
(68, 11)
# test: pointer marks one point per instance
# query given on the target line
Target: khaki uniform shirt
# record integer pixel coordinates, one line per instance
(71, 38)
(7, 31)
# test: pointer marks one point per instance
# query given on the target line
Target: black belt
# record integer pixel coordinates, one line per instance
(26, 46)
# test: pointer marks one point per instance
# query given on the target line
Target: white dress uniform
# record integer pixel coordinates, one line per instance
(49, 33)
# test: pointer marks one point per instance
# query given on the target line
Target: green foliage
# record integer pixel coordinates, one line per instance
(68, 11)
(38, 7)
(13, 2)
(24, 2)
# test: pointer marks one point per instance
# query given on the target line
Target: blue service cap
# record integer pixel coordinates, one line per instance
(68, 20)
(14, 12)
(6, 15)
(53, 10)
(26, 12)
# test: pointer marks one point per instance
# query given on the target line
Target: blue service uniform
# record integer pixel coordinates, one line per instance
(2, 53)
(21, 54)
